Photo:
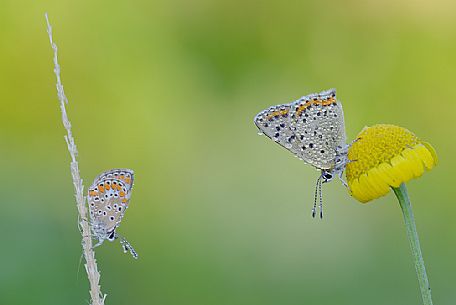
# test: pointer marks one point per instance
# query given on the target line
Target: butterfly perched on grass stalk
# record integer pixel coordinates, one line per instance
(108, 197)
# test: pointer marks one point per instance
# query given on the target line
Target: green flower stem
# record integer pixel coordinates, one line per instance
(404, 202)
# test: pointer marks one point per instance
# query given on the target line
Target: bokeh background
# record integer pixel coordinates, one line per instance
(220, 215)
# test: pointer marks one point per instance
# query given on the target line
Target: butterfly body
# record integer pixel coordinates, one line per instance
(313, 129)
(108, 197)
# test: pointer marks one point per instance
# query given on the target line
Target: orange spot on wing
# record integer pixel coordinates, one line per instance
(124, 200)
(122, 177)
(277, 113)
(326, 102)
(121, 194)
(128, 180)
(101, 189)
(329, 101)
(303, 107)
(93, 193)
(107, 187)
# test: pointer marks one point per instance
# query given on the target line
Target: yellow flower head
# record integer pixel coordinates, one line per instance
(385, 156)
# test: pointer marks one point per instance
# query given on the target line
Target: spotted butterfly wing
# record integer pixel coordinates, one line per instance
(108, 199)
(311, 127)
(274, 122)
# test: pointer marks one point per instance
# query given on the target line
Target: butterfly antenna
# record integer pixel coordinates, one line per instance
(314, 209)
(321, 199)
(127, 247)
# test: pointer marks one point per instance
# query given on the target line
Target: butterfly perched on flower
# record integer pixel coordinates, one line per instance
(312, 128)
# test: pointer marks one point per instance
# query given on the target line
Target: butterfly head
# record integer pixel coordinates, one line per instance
(112, 235)
(326, 175)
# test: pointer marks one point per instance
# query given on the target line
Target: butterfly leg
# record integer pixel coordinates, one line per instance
(342, 179)
(343, 150)
(354, 141)
(79, 225)
(100, 242)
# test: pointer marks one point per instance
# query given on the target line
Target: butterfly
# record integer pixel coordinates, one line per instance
(313, 129)
(108, 198)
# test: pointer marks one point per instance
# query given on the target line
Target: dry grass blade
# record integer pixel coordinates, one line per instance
(91, 265)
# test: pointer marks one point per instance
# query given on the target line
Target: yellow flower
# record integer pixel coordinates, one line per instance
(385, 156)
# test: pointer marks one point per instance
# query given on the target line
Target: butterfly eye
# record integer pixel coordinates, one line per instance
(327, 176)
(112, 236)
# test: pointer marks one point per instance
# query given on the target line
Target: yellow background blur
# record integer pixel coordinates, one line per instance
(220, 215)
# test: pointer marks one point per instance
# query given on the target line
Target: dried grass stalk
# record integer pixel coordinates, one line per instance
(89, 255)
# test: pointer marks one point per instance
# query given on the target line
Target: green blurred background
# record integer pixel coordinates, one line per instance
(170, 89)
